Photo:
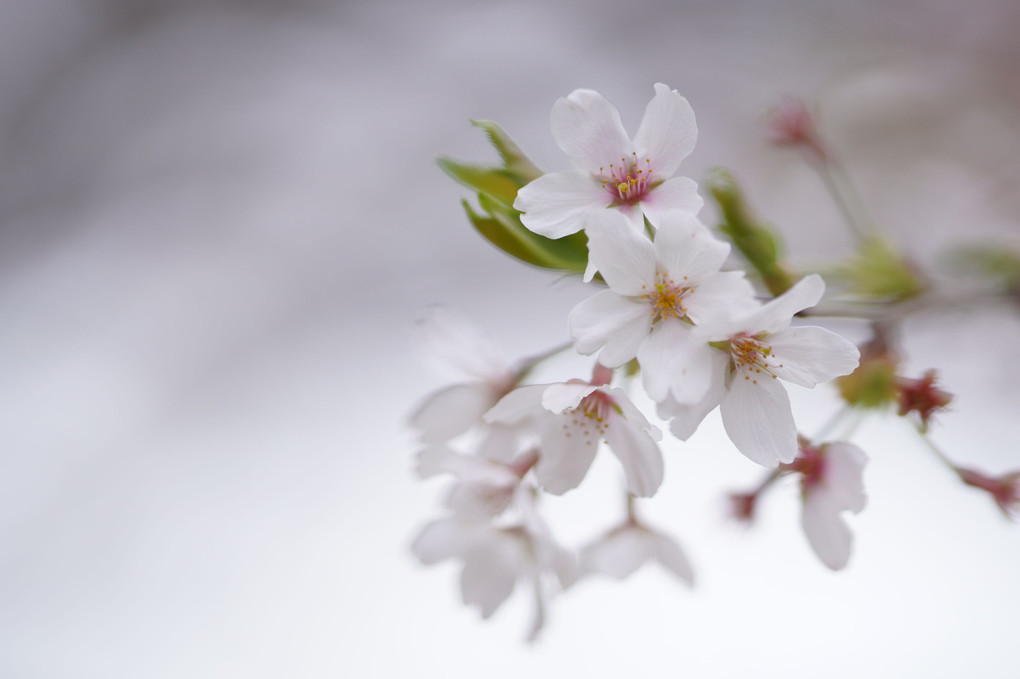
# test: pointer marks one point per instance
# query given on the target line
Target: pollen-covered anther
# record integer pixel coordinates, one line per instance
(753, 358)
(629, 180)
(667, 298)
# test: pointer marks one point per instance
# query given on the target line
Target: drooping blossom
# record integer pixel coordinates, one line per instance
(757, 351)
(634, 177)
(457, 346)
(496, 557)
(1005, 489)
(571, 419)
(624, 549)
(657, 292)
(484, 487)
(831, 483)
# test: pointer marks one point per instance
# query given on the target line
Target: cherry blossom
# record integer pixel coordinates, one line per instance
(611, 170)
(831, 483)
(657, 292)
(485, 487)
(570, 420)
(455, 345)
(624, 549)
(496, 557)
(759, 350)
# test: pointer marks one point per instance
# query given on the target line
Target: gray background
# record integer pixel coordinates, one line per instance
(219, 220)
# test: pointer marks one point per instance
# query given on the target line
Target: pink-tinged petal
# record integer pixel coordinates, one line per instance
(720, 296)
(453, 342)
(445, 539)
(491, 571)
(675, 363)
(557, 204)
(827, 533)
(638, 453)
(439, 460)
(617, 554)
(517, 406)
(777, 314)
(588, 129)
(668, 131)
(679, 194)
(625, 256)
(500, 443)
(757, 416)
(844, 475)
(479, 501)
(631, 413)
(452, 411)
(686, 418)
(565, 396)
(686, 249)
(619, 324)
(810, 355)
(568, 448)
(673, 559)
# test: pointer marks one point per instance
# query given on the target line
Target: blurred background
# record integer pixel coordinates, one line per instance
(219, 221)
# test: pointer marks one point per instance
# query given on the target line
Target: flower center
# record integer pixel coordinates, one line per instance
(628, 181)
(590, 418)
(667, 297)
(752, 358)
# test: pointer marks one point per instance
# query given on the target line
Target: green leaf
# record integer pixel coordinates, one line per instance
(514, 160)
(503, 228)
(877, 270)
(756, 241)
(497, 182)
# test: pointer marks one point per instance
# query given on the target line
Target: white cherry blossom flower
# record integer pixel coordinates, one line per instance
(759, 350)
(831, 483)
(611, 170)
(627, 547)
(496, 558)
(571, 419)
(657, 292)
(485, 487)
(457, 346)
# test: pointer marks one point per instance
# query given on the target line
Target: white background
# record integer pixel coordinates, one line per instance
(219, 221)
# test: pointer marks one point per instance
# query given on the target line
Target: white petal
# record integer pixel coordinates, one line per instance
(776, 315)
(625, 256)
(608, 320)
(568, 447)
(687, 417)
(757, 417)
(631, 413)
(686, 248)
(452, 411)
(638, 453)
(499, 443)
(588, 129)
(557, 204)
(452, 341)
(828, 534)
(518, 405)
(844, 475)
(479, 502)
(565, 396)
(668, 131)
(809, 355)
(677, 194)
(490, 572)
(669, 554)
(444, 539)
(617, 554)
(675, 363)
(721, 296)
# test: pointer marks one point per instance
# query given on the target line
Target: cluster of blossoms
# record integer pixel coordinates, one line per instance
(668, 307)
